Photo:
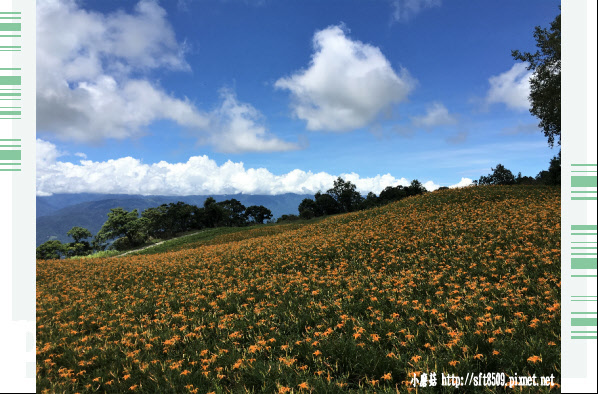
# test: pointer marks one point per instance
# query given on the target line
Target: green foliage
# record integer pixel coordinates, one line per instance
(156, 218)
(308, 209)
(553, 175)
(50, 250)
(79, 234)
(416, 188)
(500, 176)
(79, 247)
(392, 193)
(370, 201)
(212, 213)
(102, 253)
(258, 213)
(545, 84)
(346, 195)
(234, 213)
(326, 204)
(121, 223)
(288, 218)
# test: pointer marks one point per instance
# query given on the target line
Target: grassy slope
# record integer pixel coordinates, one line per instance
(222, 235)
(455, 281)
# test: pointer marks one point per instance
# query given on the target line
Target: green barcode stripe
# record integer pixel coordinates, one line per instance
(583, 321)
(10, 154)
(10, 80)
(10, 27)
(583, 264)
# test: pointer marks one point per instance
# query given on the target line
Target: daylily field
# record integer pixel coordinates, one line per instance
(454, 281)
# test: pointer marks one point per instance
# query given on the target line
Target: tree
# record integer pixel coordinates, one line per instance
(545, 83)
(524, 180)
(49, 250)
(308, 209)
(370, 201)
(391, 193)
(500, 176)
(287, 218)
(213, 214)
(79, 233)
(258, 213)
(79, 247)
(346, 194)
(553, 175)
(415, 188)
(156, 226)
(326, 204)
(233, 213)
(179, 217)
(121, 223)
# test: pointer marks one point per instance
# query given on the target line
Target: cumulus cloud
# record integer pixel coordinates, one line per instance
(89, 86)
(85, 85)
(436, 115)
(462, 183)
(511, 88)
(430, 186)
(199, 175)
(403, 10)
(346, 85)
(238, 127)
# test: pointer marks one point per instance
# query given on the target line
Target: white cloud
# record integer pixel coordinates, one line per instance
(511, 88)
(46, 153)
(199, 175)
(237, 127)
(89, 89)
(403, 10)
(463, 182)
(430, 186)
(436, 115)
(85, 88)
(347, 84)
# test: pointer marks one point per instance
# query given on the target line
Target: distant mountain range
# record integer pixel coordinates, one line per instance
(58, 213)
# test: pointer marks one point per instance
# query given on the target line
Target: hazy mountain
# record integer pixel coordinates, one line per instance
(58, 213)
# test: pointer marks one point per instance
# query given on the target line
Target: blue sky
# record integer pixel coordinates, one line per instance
(267, 97)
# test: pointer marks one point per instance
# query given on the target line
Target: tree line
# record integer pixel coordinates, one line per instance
(125, 230)
(503, 176)
(343, 197)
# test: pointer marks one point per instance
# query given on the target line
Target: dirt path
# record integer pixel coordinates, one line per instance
(156, 244)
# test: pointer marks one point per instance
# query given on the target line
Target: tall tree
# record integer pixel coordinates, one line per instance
(79, 234)
(308, 209)
(156, 221)
(233, 213)
(121, 223)
(500, 176)
(79, 247)
(49, 250)
(346, 194)
(326, 204)
(258, 213)
(415, 188)
(545, 83)
(213, 214)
